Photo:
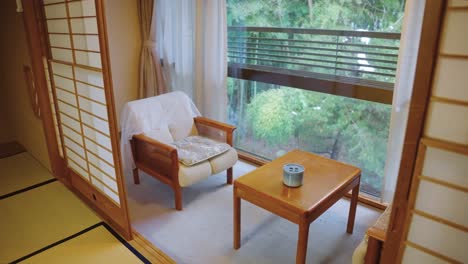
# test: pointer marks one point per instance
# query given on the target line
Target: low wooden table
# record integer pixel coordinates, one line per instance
(325, 182)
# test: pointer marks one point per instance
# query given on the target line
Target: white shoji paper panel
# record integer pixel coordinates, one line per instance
(89, 77)
(62, 54)
(69, 110)
(445, 206)
(65, 96)
(82, 8)
(91, 92)
(97, 137)
(93, 107)
(77, 159)
(60, 41)
(62, 69)
(104, 178)
(56, 11)
(438, 237)
(92, 59)
(64, 83)
(72, 134)
(82, 173)
(96, 123)
(106, 190)
(74, 146)
(70, 122)
(446, 166)
(447, 122)
(454, 37)
(412, 256)
(84, 25)
(86, 42)
(57, 26)
(451, 79)
(100, 164)
(99, 151)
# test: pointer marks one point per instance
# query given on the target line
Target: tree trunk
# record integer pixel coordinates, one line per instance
(336, 147)
(311, 16)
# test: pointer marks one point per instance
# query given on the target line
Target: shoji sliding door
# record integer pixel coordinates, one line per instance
(82, 101)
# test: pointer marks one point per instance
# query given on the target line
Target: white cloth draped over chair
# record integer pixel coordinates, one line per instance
(156, 117)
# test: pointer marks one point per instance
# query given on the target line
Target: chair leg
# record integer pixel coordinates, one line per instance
(229, 176)
(136, 177)
(178, 198)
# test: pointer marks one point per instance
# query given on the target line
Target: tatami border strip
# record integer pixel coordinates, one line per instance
(126, 244)
(57, 243)
(119, 238)
(27, 189)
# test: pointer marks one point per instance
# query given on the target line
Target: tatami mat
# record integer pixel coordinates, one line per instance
(39, 217)
(95, 246)
(20, 171)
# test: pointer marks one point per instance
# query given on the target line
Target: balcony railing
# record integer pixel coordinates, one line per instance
(357, 64)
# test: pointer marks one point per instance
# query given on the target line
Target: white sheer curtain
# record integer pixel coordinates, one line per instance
(193, 46)
(409, 45)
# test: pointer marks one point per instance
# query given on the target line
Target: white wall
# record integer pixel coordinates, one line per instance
(124, 48)
(439, 221)
(20, 123)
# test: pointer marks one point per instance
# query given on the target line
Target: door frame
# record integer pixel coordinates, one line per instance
(425, 66)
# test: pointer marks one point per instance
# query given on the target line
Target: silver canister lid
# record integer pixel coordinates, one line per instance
(293, 175)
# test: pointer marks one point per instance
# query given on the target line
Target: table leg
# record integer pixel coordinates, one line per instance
(352, 209)
(237, 220)
(303, 238)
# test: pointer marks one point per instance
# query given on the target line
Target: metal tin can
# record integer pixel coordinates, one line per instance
(293, 175)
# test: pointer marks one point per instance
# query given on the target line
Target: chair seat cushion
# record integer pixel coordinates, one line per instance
(196, 149)
(223, 161)
(189, 175)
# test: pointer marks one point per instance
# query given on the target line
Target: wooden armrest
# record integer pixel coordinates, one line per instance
(155, 158)
(377, 233)
(160, 146)
(226, 128)
(214, 124)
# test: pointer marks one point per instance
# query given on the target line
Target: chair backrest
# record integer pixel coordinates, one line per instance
(165, 117)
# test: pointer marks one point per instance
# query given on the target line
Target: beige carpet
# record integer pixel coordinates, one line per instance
(202, 232)
(21, 171)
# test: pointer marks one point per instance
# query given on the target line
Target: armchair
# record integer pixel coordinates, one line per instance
(154, 150)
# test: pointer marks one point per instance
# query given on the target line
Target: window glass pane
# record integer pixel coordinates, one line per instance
(289, 60)
(272, 120)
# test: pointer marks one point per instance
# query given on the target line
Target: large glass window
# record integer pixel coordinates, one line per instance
(316, 75)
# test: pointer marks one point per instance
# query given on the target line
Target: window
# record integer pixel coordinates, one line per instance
(315, 75)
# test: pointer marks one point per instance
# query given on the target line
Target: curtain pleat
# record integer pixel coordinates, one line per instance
(151, 79)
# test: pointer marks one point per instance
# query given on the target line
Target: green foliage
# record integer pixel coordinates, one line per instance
(373, 15)
(346, 129)
(273, 119)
